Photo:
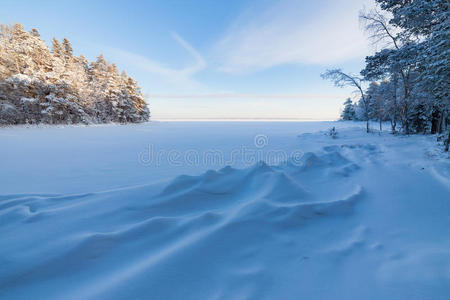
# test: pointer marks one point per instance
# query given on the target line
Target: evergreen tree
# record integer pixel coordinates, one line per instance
(57, 48)
(419, 118)
(348, 113)
(67, 49)
(42, 86)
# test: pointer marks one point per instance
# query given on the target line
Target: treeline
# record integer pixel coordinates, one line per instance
(39, 85)
(407, 81)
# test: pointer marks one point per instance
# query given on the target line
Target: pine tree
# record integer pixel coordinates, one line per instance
(419, 118)
(57, 48)
(348, 113)
(67, 49)
(7, 63)
(38, 85)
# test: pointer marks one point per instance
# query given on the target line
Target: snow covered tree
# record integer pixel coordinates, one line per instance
(376, 101)
(382, 66)
(419, 118)
(387, 92)
(424, 25)
(434, 63)
(57, 48)
(42, 86)
(348, 113)
(410, 71)
(67, 49)
(396, 59)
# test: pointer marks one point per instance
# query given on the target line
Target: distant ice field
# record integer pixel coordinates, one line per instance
(73, 159)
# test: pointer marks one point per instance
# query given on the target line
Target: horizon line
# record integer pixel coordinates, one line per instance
(248, 96)
(240, 120)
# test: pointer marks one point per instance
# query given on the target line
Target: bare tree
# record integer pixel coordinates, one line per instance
(381, 32)
(377, 25)
(341, 79)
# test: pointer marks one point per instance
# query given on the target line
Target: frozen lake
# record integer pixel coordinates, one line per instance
(73, 159)
(187, 210)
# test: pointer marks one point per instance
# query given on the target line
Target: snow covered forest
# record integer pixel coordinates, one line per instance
(39, 85)
(406, 82)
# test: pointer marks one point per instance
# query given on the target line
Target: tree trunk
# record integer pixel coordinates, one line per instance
(447, 142)
(366, 109)
(405, 106)
(394, 125)
(394, 115)
(445, 119)
(404, 117)
(434, 120)
(381, 128)
(441, 121)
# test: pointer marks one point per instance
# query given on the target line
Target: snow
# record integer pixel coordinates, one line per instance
(47, 110)
(20, 78)
(128, 212)
(26, 100)
(6, 106)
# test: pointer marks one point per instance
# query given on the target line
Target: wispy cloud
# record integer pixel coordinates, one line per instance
(199, 64)
(181, 78)
(283, 33)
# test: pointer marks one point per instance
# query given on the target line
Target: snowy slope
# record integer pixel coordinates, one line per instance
(357, 217)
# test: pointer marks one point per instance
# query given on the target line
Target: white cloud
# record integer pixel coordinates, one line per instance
(199, 64)
(181, 78)
(284, 34)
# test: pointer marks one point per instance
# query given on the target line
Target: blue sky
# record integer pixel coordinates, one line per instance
(214, 59)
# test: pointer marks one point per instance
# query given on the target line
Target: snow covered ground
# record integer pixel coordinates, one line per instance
(187, 210)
